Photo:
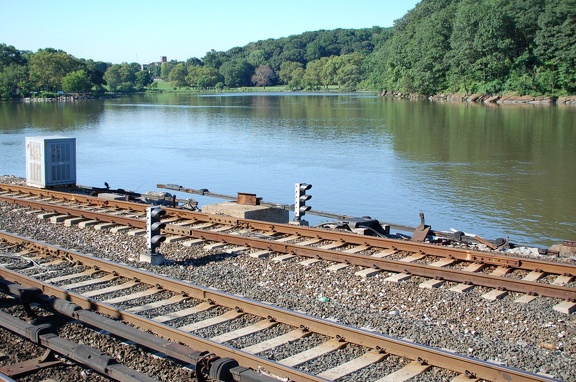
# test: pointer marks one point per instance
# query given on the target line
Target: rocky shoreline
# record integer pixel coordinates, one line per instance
(442, 97)
(488, 98)
(68, 98)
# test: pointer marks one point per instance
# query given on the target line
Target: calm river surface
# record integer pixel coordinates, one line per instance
(491, 170)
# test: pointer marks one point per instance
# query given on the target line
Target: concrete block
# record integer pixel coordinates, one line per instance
(111, 196)
(173, 239)
(567, 307)
(263, 213)
(281, 258)
(462, 288)
(120, 228)
(235, 250)
(337, 267)
(368, 272)
(432, 283)
(525, 299)
(104, 226)
(88, 223)
(137, 232)
(192, 242)
(59, 218)
(73, 221)
(46, 215)
(154, 259)
(260, 254)
(309, 262)
(398, 277)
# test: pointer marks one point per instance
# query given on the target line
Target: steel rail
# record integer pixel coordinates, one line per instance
(76, 212)
(431, 356)
(165, 331)
(447, 274)
(440, 273)
(331, 215)
(349, 238)
(98, 201)
(43, 335)
(202, 360)
(72, 197)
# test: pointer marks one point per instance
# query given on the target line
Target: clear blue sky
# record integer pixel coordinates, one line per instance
(142, 31)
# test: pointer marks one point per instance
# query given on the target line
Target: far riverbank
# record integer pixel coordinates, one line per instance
(443, 97)
(489, 98)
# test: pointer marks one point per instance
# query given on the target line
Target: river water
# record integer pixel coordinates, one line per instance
(490, 170)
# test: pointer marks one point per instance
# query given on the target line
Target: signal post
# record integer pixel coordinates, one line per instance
(154, 236)
(300, 207)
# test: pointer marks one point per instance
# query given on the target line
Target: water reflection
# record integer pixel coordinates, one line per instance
(490, 170)
(507, 165)
(50, 116)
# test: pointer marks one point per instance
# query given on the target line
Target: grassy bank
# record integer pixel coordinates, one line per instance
(167, 87)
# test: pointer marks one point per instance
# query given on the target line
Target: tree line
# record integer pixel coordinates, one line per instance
(487, 46)
(480, 46)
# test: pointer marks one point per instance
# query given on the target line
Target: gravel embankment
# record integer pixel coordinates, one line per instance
(17, 349)
(530, 336)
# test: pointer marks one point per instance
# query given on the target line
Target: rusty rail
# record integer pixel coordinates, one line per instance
(377, 242)
(435, 357)
(529, 287)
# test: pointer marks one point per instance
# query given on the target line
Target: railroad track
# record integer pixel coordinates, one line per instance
(439, 264)
(71, 357)
(270, 341)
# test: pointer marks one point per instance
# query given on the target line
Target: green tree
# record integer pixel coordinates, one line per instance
(113, 77)
(202, 77)
(49, 66)
(209, 77)
(524, 15)
(13, 73)
(297, 81)
(331, 66)
(556, 44)
(143, 79)
(214, 59)
(14, 82)
(294, 50)
(177, 76)
(96, 70)
(481, 45)
(166, 68)
(288, 71)
(313, 78)
(256, 58)
(414, 57)
(77, 81)
(524, 70)
(155, 69)
(194, 61)
(10, 56)
(236, 73)
(377, 64)
(121, 77)
(128, 76)
(350, 73)
(315, 51)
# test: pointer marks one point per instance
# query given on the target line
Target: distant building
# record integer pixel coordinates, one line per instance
(163, 59)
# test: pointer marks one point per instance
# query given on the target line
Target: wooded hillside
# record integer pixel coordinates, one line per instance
(481, 46)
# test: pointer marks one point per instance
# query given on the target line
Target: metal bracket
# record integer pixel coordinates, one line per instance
(421, 231)
(48, 359)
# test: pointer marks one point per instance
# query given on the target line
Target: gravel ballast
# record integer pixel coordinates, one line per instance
(531, 337)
